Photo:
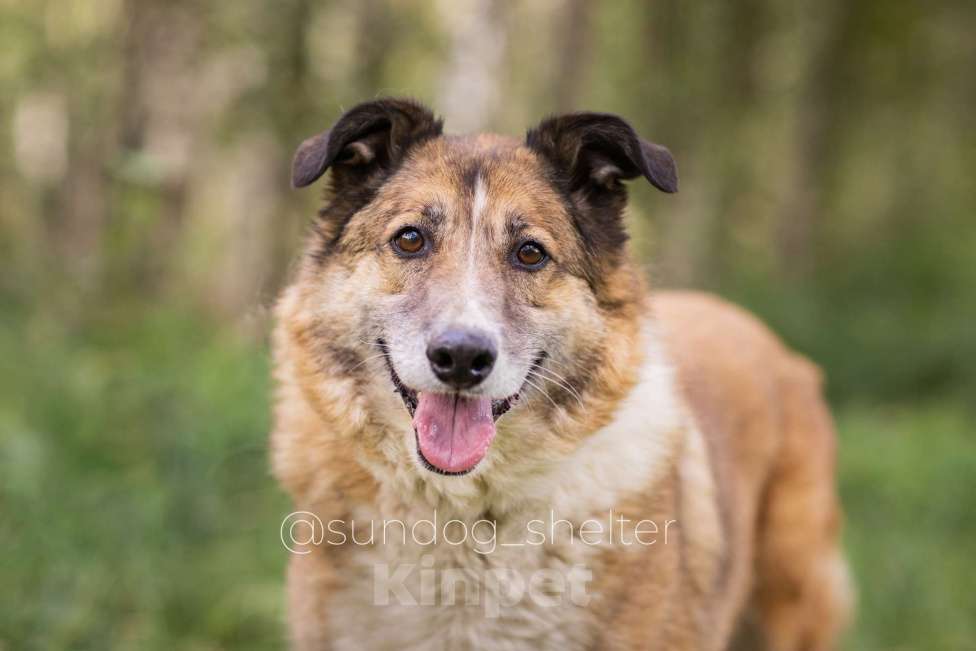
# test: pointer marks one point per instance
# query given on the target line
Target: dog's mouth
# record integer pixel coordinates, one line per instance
(452, 431)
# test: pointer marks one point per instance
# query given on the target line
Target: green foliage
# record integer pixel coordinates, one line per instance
(136, 508)
(908, 485)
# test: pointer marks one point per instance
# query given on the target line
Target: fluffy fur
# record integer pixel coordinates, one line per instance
(677, 409)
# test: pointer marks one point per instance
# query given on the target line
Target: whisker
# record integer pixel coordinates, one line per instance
(560, 381)
(553, 373)
(371, 357)
(572, 392)
(562, 365)
(542, 391)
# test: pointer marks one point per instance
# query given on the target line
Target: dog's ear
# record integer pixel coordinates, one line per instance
(370, 137)
(594, 151)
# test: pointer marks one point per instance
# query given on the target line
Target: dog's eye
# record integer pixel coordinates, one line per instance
(408, 241)
(531, 255)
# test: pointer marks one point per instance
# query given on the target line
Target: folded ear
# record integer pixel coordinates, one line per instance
(599, 150)
(369, 137)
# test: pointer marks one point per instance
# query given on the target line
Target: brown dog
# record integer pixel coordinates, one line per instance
(499, 441)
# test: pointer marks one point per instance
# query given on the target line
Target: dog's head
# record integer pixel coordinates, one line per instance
(476, 275)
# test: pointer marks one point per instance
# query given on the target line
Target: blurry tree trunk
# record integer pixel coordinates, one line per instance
(470, 89)
(132, 116)
(375, 32)
(66, 166)
(573, 44)
(296, 117)
(818, 126)
(734, 172)
(670, 49)
(81, 210)
(159, 118)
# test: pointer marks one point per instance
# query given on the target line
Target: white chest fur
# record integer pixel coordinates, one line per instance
(446, 596)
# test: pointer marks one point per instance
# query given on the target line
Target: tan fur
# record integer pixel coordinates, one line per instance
(737, 450)
(772, 449)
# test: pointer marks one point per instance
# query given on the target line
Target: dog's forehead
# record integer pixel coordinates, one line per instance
(499, 168)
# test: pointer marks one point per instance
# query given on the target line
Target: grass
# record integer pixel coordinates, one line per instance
(136, 510)
(908, 482)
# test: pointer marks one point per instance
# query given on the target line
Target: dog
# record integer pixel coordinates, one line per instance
(469, 363)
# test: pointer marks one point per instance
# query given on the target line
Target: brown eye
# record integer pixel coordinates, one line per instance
(531, 255)
(408, 241)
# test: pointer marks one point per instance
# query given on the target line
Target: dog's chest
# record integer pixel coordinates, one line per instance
(515, 592)
(525, 590)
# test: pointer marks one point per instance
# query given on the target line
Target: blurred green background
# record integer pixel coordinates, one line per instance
(827, 153)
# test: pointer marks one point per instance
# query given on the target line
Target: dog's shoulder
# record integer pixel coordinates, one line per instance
(731, 368)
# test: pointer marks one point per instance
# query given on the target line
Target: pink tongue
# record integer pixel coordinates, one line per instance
(453, 432)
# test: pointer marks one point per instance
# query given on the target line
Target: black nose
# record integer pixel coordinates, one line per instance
(461, 358)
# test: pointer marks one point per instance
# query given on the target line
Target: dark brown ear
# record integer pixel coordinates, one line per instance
(598, 150)
(367, 138)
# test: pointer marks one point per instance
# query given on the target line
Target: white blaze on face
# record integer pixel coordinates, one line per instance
(467, 307)
(467, 301)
